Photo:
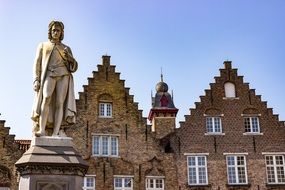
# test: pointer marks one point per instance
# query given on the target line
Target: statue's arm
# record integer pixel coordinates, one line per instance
(37, 68)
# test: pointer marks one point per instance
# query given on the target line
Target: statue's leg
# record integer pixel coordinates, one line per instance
(48, 88)
(61, 91)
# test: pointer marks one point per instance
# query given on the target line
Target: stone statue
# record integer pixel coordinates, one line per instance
(54, 105)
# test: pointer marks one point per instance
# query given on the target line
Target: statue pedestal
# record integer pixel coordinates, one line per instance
(51, 163)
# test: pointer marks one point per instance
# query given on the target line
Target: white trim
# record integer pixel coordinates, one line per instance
(105, 134)
(123, 176)
(228, 154)
(252, 133)
(196, 154)
(210, 115)
(90, 175)
(230, 98)
(273, 153)
(250, 115)
(212, 133)
(156, 177)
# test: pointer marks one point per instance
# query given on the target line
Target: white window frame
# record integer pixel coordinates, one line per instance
(212, 122)
(251, 124)
(85, 187)
(155, 180)
(110, 150)
(236, 167)
(275, 167)
(124, 178)
(105, 109)
(196, 168)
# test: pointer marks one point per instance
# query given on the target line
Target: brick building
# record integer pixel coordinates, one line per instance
(230, 140)
(112, 135)
(10, 152)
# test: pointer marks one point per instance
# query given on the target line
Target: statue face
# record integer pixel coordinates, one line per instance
(56, 32)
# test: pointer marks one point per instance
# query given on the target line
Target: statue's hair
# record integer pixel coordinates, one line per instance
(57, 23)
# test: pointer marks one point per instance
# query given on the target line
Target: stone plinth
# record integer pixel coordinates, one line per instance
(51, 163)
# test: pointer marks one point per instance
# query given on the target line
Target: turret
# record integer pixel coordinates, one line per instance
(163, 112)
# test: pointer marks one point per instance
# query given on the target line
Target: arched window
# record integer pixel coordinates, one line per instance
(230, 91)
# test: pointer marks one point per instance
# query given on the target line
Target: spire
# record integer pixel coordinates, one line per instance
(161, 75)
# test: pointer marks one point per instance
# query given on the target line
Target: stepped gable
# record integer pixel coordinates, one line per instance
(105, 86)
(104, 78)
(10, 152)
(215, 97)
(230, 119)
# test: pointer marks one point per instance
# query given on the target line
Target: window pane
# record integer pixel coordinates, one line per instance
(114, 145)
(217, 121)
(159, 183)
(118, 182)
(231, 160)
(247, 124)
(109, 109)
(191, 161)
(202, 175)
(192, 176)
(209, 125)
(104, 145)
(102, 109)
(128, 182)
(96, 145)
(201, 161)
(232, 175)
(255, 126)
(241, 175)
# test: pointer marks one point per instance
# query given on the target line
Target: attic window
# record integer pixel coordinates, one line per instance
(230, 91)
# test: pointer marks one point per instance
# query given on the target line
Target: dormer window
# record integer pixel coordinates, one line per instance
(230, 91)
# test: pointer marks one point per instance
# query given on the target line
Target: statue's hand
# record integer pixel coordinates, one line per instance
(37, 86)
(68, 56)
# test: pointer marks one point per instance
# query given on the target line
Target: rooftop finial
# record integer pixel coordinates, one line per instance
(161, 75)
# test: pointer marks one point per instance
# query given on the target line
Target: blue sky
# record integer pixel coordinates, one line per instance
(189, 39)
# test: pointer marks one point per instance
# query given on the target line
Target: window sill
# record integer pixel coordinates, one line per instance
(101, 156)
(230, 98)
(211, 134)
(105, 117)
(249, 133)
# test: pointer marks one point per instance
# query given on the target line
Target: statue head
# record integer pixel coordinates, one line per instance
(55, 23)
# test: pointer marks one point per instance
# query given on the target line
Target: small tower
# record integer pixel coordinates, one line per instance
(163, 112)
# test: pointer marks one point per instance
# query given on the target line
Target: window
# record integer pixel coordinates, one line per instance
(275, 169)
(251, 125)
(123, 183)
(104, 145)
(230, 91)
(213, 124)
(236, 167)
(105, 109)
(89, 183)
(154, 183)
(197, 170)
